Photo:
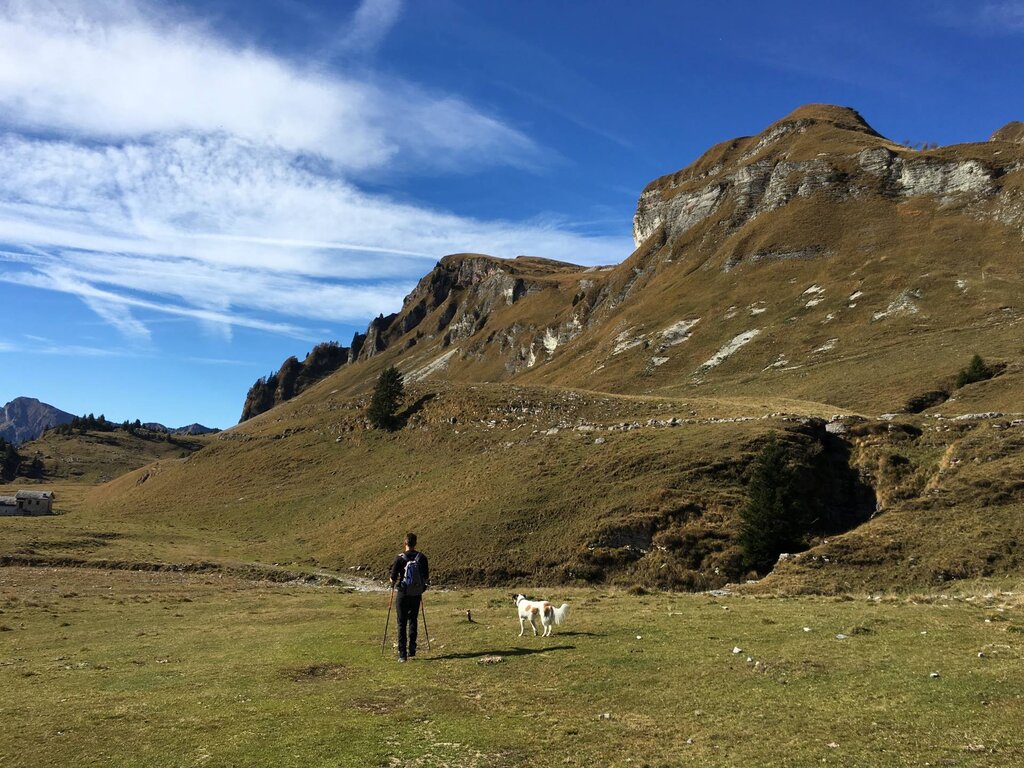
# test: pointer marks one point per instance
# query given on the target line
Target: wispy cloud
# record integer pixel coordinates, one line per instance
(117, 308)
(371, 23)
(219, 225)
(151, 168)
(42, 346)
(1007, 15)
(993, 17)
(133, 73)
(223, 361)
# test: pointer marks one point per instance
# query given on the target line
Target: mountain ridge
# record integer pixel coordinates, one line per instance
(492, 319)
(25, 418)
(817, 282)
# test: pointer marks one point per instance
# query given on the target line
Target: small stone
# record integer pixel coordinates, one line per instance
(605, 716)
(737, 649)
(840, 636)
(807, 629)
(639, 637)
(933, 675)
(599, 441)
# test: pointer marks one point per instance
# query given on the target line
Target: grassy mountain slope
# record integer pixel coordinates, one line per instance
(842, 267)
(526, 481)
(814, 269)
(99, 456)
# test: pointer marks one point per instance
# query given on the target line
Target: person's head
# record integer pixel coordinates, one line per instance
(410, 541)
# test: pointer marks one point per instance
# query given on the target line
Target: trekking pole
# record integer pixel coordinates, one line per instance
(387, 623)
(426, 631)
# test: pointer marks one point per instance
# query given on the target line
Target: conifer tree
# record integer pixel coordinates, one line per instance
(976, 370)
(387, 394)
(775, 517)
(10, 459)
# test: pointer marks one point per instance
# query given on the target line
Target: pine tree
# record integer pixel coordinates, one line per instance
(976, 370)
(775, 517)
(387, 394)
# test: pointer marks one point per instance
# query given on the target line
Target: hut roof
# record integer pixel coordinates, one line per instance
(45, 495)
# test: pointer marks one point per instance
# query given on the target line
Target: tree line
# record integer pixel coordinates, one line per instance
(13, 464)
(90, 423)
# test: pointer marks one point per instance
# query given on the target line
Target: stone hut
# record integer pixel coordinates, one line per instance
(28, 503)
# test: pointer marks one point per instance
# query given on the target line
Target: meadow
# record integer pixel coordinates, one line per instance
(101, 667)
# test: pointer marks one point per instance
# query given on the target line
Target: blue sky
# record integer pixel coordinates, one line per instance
(191, 192)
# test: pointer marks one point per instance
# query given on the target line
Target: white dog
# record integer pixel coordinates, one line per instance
(542, 609)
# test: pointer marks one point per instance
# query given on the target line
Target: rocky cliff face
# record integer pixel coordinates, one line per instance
(771, 259)
(293, 377)
(452, 303)
(751, 176)
(25, 418)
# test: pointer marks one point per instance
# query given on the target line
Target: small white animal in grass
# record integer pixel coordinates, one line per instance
(530, 610)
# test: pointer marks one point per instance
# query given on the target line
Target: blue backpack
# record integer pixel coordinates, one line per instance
(412, 581)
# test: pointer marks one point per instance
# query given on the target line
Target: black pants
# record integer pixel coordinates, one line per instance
(408, 615)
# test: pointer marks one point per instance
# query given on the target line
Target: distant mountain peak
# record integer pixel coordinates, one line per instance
(727, 238)
(1012, 132)
(844, 118)
(26, 418)
(189, 429)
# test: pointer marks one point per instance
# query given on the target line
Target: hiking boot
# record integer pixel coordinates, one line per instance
(401, 659)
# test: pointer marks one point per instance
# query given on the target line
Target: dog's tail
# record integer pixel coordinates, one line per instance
(561, 613)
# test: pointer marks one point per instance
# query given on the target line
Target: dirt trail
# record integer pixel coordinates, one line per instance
(249, 571)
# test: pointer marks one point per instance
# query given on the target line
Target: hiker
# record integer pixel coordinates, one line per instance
(409, 575)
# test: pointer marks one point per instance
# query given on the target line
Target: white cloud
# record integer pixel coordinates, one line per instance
(184, 176)
(129, 74)
(218, 223)
(116, 308)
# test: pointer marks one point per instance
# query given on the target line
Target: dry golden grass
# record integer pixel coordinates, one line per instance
(97, 457)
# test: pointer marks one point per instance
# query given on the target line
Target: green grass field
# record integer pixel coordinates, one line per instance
(120, 668)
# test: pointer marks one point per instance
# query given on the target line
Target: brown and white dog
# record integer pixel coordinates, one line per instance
(540, 609)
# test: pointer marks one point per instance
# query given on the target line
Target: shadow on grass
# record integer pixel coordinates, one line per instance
(576, 633)
(506, 652)
(401, 419)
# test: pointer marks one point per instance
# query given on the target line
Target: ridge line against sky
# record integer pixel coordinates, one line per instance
(225, 183)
